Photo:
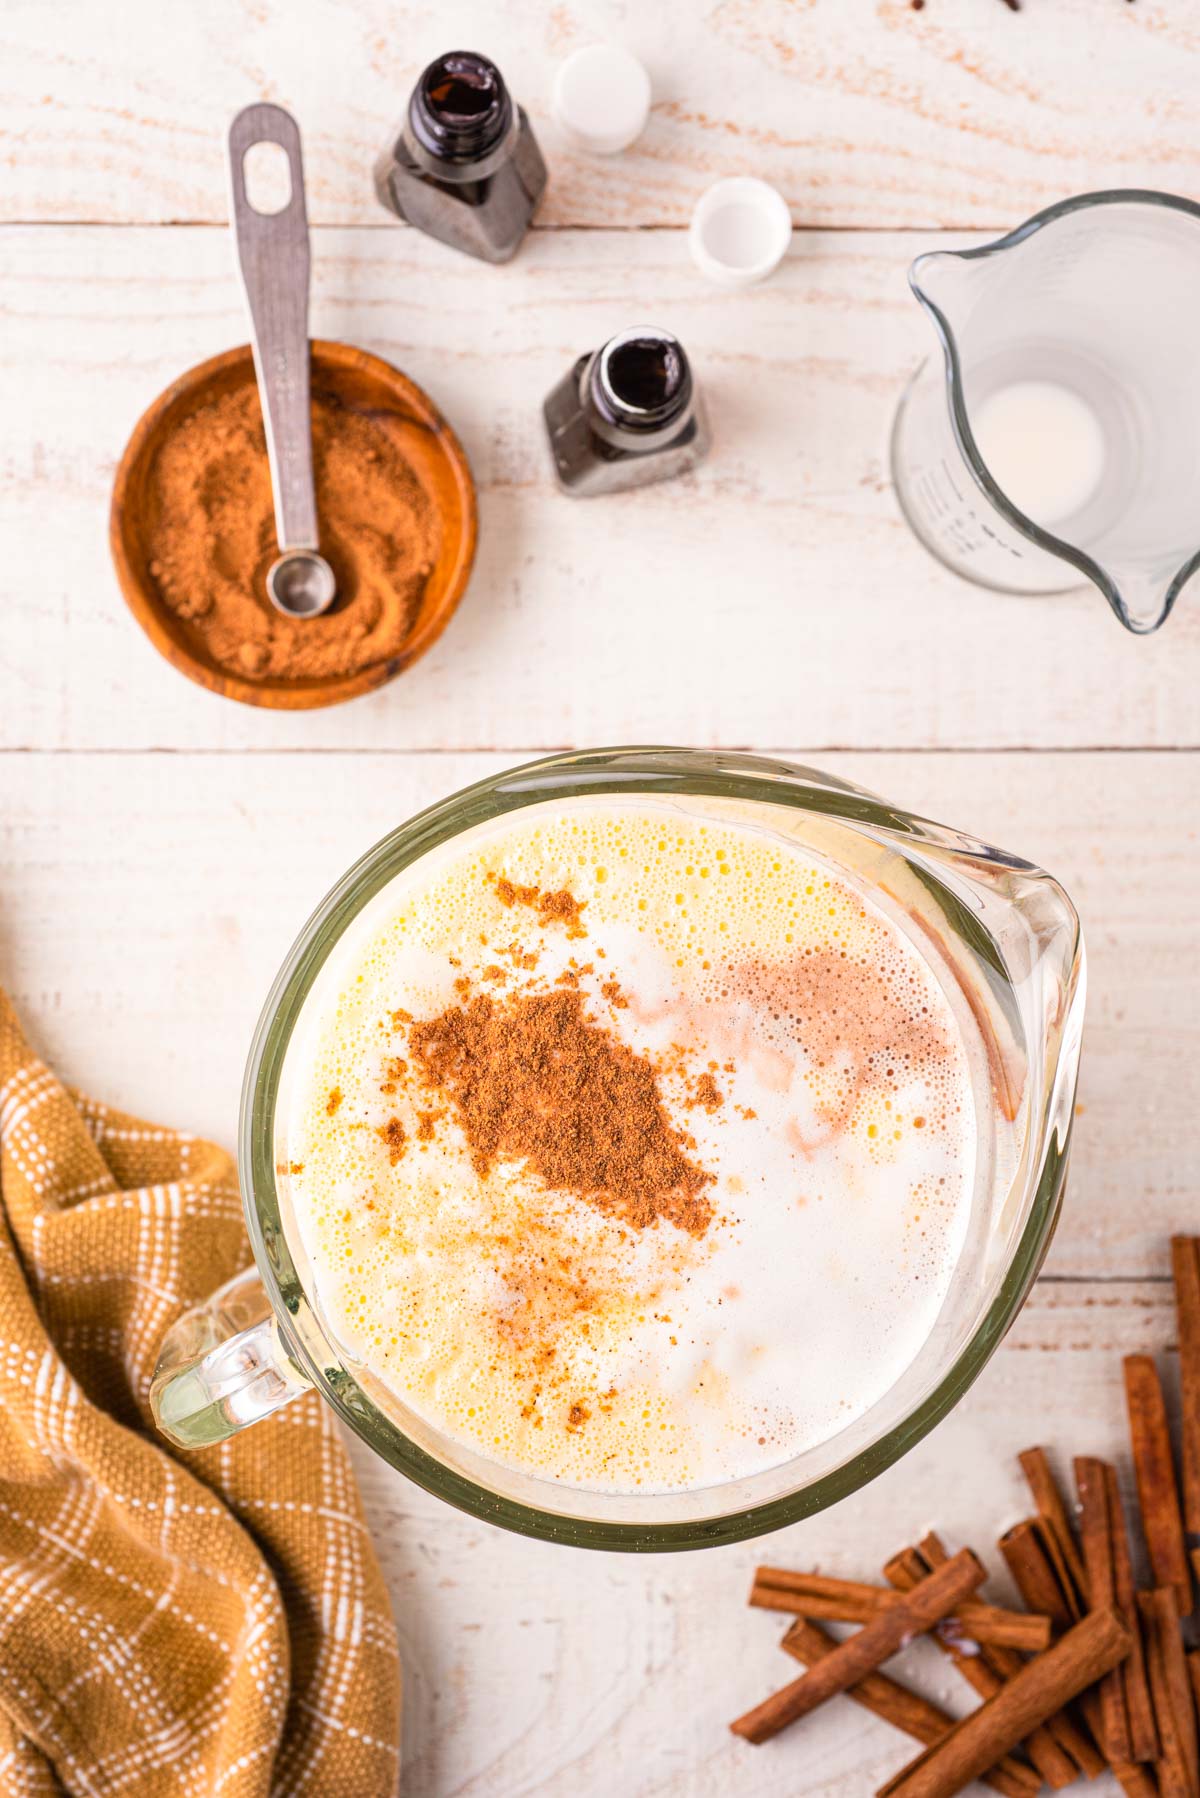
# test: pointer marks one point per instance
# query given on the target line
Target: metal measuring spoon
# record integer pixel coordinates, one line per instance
(272, 250)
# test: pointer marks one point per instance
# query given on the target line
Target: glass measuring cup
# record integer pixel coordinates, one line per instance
(1061, 436)
(1001, 935)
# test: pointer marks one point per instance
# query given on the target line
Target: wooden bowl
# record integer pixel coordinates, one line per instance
(396, 405)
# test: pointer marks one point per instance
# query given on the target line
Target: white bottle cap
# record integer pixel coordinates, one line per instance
(602, 98)
(740, 230)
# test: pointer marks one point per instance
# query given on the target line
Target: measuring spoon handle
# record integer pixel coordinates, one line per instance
(273, 257)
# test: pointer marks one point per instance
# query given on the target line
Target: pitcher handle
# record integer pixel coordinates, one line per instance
(222, 1366)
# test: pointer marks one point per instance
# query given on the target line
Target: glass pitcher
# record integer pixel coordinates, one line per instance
(1062, 437)
(1005, 943)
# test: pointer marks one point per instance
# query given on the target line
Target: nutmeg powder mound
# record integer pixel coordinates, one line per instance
(211, 525)
(535, 1078)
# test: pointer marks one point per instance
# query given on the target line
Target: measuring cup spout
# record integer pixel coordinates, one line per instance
(945, 282)
(1143, 601)
(1057, 438)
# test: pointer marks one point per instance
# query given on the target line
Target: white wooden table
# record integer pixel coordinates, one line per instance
(160, 847)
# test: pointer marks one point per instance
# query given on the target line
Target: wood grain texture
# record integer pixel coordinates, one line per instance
(775, 595)
(146, 901)
(863, 112)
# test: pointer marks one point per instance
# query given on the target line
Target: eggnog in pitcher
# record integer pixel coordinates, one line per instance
(633, 1141)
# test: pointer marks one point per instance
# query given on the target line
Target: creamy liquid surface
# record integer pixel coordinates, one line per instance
(1044, 447)
(809, 1068)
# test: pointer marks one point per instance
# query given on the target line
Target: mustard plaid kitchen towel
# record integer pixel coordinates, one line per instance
(170, 1622)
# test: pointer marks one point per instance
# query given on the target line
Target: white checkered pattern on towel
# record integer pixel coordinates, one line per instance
(170, 1623)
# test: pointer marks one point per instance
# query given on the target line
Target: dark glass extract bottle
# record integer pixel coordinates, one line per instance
(625, 415)
(465, 166)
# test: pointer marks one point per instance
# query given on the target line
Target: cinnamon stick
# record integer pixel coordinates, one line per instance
(1077, 1660)
(905, 1710)
(1143, 1731)
(1185, 1270)
(1028, 1551)
(993, 1627)
(986, 1671)
(906, 1570)
(1193, 1667)
(1158, 1494)
(821, 1596)
(1171, 1690)
(1136, 1781)
(864, 1652)
(816, 1595)
(1048, 1502)
(1099, 1555)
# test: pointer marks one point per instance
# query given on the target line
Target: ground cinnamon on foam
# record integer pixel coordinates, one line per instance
(560, 907)
(534, 1077)
(212, 539)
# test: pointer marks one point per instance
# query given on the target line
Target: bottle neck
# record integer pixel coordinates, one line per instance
(460, 112)
(640, 387)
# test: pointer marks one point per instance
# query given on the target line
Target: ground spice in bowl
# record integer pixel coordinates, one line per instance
(212, 539)
(193, 530)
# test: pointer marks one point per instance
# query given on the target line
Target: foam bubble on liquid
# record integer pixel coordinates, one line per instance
(536, 1326)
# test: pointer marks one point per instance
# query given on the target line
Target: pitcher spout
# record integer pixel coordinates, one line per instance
(1028, 462)
(945, 282)
(1144, 601)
